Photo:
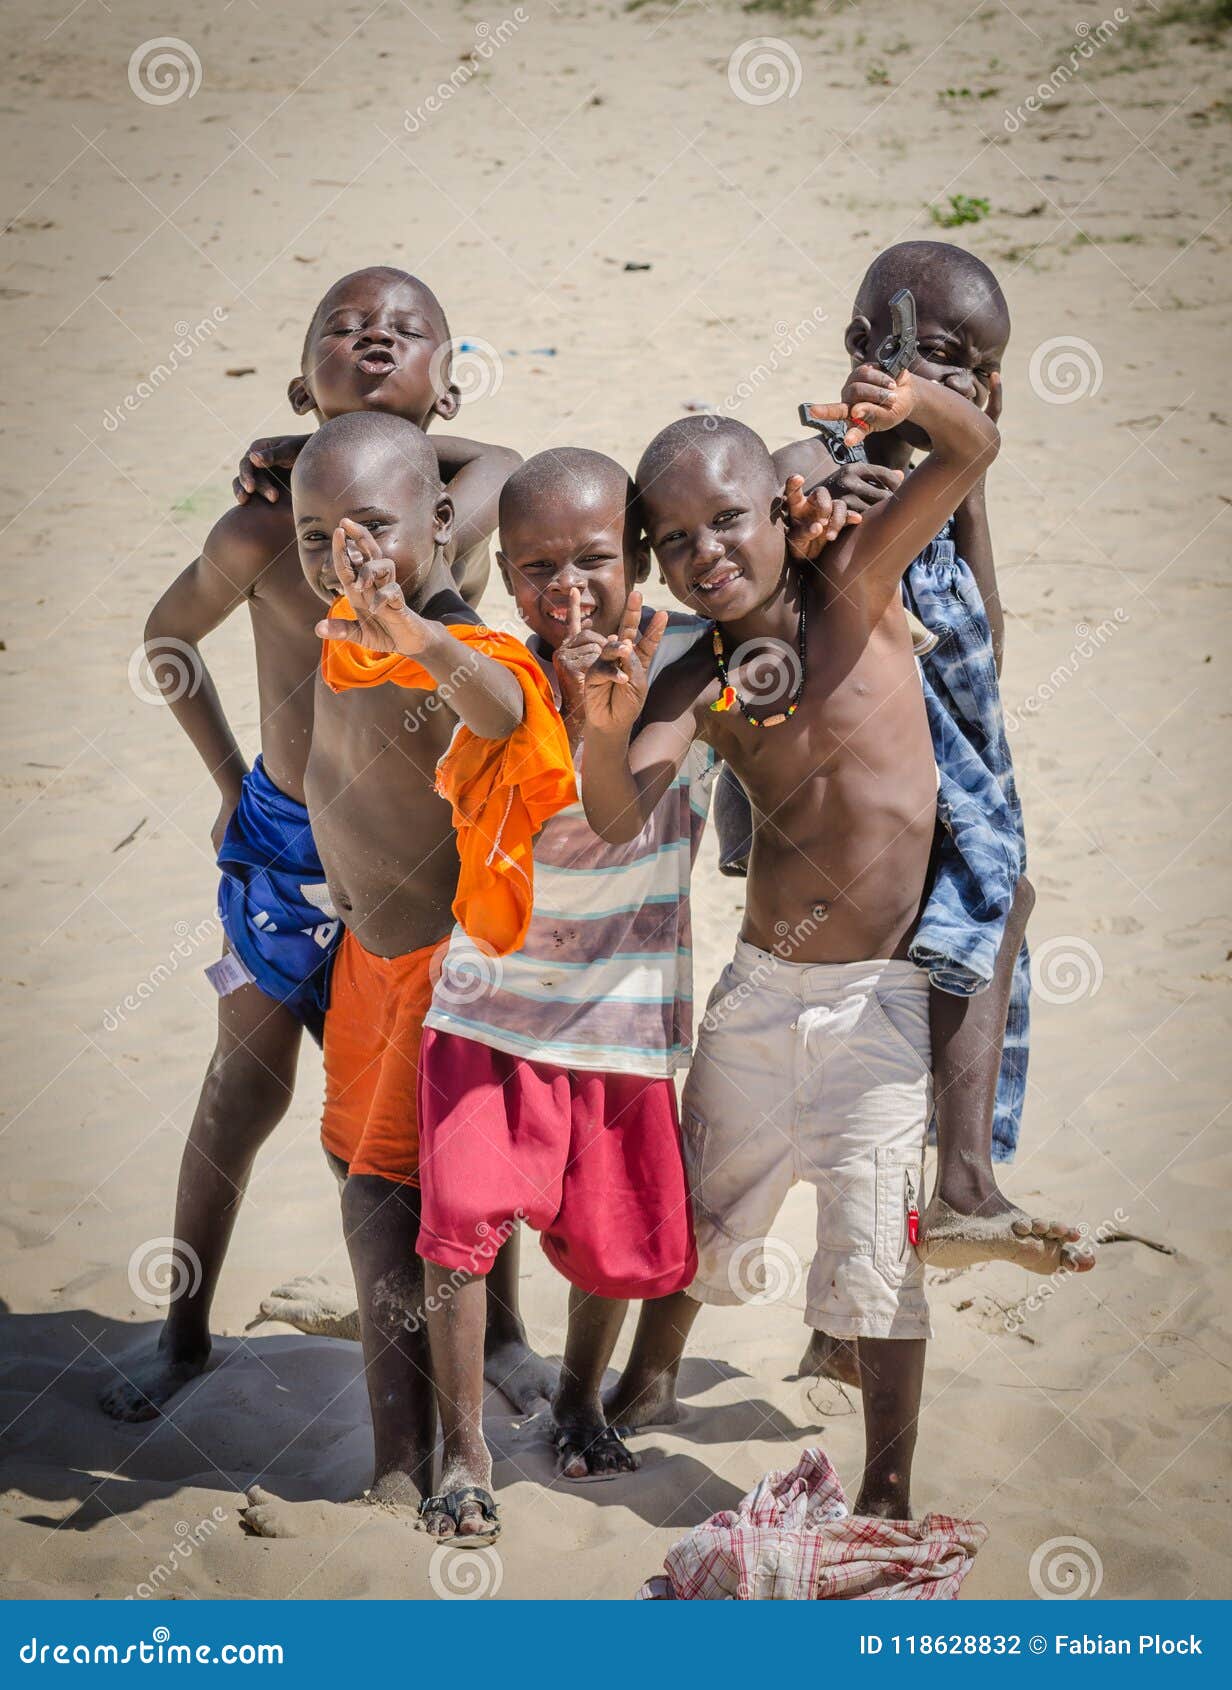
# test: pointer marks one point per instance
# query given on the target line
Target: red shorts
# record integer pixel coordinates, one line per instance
(592, 1161)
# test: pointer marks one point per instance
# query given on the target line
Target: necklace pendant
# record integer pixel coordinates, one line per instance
(773, 721)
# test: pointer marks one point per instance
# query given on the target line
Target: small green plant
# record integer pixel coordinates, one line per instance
(877, 76)
(962, 208)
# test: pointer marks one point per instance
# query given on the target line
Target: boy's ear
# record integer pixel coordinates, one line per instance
(856, 338)
(442, 520)
(448, 404)
(301, 399)
(502, 563)
(778, 510)
(641, 554)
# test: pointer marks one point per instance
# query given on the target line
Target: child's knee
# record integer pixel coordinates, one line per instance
(240, 1093)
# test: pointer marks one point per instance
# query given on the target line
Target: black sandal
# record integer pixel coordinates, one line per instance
(582, 1440)
(451, 1504)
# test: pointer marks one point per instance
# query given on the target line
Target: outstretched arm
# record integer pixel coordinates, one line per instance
(973, 538)
(478, 689)
(195, 603)
(474, 474)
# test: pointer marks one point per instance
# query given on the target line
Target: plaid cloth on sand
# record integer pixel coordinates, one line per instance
(793, 1539)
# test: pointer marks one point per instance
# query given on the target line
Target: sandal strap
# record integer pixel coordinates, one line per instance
(451, 1503)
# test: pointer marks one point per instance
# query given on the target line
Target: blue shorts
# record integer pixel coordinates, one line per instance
(273, 902)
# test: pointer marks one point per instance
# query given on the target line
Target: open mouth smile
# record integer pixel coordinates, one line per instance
(714, 580)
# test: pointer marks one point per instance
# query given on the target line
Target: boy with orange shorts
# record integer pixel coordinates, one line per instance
(416, 703)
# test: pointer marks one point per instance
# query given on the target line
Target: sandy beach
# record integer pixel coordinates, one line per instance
(626, 211)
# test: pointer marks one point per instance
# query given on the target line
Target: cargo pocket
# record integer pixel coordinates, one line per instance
(900, 1016)
(900, 1185)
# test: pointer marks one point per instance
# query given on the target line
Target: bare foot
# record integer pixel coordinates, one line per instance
(831, 1358)
(394, 1498)
(883, 1507)
(634, 1404)
(587, 1448)
(998, 1230)
(313, 1305)
(142, 1387)
(521, 1376)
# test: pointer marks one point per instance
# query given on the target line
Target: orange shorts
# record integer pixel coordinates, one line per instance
(372, 1032)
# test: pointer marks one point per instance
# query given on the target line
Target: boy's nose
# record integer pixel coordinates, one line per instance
(963, 383)
(376, 337)
(708, 547)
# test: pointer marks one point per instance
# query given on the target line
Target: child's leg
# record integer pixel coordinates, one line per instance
(587, 1446)
(891, 1380)
(969, 1218)
(246, 1092)
(381, 1220)
(457, 1305)
(509, 1363)
(645, 1393)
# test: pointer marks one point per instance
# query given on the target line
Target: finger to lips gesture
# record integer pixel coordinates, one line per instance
(813, 519)
(578, 650)
(618, 679)
(383, 621)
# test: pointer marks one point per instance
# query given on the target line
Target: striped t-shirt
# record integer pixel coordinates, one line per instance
(604, 980)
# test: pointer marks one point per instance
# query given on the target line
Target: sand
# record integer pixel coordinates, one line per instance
(580, 140)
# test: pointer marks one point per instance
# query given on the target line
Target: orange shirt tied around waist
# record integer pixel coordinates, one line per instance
(502, 790)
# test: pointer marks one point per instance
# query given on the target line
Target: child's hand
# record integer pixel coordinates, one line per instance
(619, 678)
(862, 487)
(384, 621)
(876, 401)
(812, 519)
(277, 451)
(576, 654)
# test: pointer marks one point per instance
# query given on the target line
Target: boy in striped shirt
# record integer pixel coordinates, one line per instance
(545, 1088)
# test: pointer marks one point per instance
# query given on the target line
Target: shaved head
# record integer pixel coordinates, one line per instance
(720, 442)
(363, 442)
(565, 474)
(941, 274)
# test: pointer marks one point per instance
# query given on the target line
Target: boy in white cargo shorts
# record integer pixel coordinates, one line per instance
(808, 688)
(817, 1072)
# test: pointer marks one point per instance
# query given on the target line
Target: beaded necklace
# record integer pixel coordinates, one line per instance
(729, 698)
